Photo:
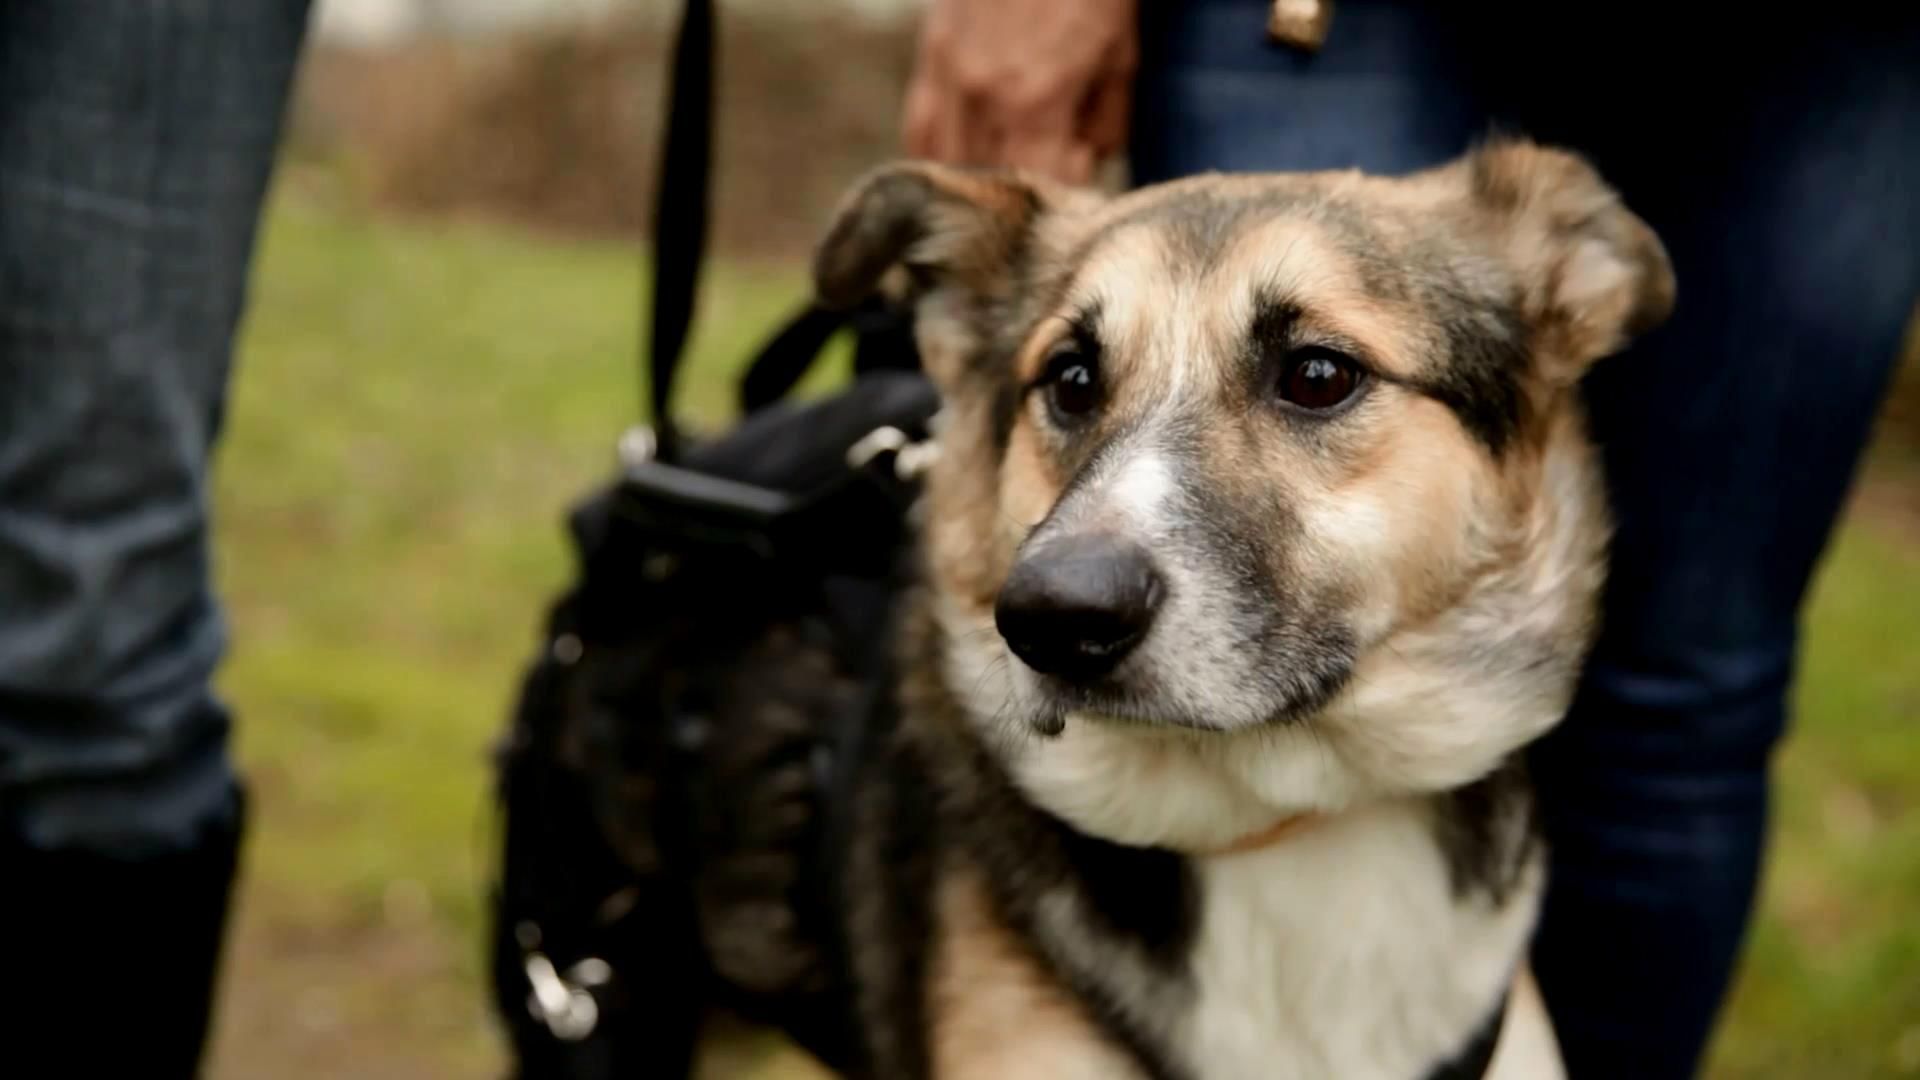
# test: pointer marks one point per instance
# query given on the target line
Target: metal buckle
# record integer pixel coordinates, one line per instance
(910, 459)
(565, 1005)
(637, 446)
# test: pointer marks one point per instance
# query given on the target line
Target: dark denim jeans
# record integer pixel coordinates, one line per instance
(136, 138)
(1783, 172)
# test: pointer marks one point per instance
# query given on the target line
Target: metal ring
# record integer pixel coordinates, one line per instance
(874, 443)
(637, 446)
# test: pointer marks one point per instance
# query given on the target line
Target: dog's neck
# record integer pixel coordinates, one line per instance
(1283, 829)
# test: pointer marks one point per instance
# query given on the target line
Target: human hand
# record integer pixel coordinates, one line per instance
(1036, 84)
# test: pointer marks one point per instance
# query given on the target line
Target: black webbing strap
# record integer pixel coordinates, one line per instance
(544, 905)
(883, 341)
(784, 360)
(680, 215)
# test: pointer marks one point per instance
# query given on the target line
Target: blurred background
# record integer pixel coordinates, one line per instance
(439, 355)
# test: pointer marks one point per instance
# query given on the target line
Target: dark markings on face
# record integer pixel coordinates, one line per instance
(1276, 334)
(1484, 339)
(1320, 658)
(1272, 332)
(1243, 532)
(1479, 379)
(1086, 457)
(1076, 451)
(1480, 342)
(990, 312)
(1200, 225)
(1197, 225)
(1198, 229)
(1245, 535)
(1380, 263)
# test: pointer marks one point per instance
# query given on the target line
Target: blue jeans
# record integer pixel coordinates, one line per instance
(136, 139)
(1786, 184)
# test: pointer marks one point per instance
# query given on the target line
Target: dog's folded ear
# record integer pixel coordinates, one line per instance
(1593, 275)
(944, 225)
(961, 244)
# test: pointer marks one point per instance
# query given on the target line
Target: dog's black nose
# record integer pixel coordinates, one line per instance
(1078, 606)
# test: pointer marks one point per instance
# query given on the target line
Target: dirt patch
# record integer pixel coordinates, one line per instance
(393, 1002)
(1902, 419)
(561, 129)
(1888, 490)
(370, 1002)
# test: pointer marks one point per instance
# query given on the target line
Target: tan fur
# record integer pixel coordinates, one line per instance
(997, 1015)
(1600, 276)
(1426, 470)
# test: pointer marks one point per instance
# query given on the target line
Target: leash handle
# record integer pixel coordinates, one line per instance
(680, 214)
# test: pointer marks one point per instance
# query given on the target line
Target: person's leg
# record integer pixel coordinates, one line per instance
(1788, 195)
(136, 141)
(1213, 94)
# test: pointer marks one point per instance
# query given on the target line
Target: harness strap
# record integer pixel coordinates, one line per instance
(680, 216)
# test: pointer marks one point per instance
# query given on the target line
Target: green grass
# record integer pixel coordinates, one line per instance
(1832, 983)
(414, 409)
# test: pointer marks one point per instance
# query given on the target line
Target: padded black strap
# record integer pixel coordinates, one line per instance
(680, 216)
(784, 360)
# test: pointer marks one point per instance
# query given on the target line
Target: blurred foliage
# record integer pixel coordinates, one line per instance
(561, 128)
(415, 408)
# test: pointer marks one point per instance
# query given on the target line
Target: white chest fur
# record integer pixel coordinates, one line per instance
(1343, 952)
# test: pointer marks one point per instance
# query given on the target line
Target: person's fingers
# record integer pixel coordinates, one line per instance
(1036, 141)
(1007, 82)
(1077, 162)
(938, 122)
(1109, 110)
(1051, 154)
(977, 132)
(919, 121)
(1040, 135)
(1040, 155)
(932, 114)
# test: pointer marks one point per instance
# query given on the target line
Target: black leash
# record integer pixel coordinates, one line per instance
(680, 224)
(552, 983)
(680, 215)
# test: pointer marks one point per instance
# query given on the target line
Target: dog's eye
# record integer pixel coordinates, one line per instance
(1317, 379)
(1072, 383)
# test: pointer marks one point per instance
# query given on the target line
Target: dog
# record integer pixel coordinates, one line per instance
(1263, 538)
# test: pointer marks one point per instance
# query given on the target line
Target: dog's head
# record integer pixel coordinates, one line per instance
(1281, 475)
